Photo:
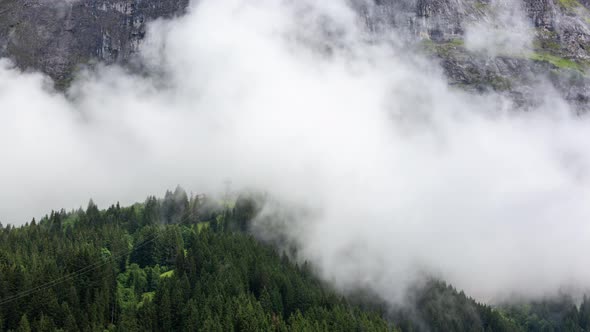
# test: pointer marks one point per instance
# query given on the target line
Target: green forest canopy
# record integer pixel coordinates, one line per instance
(189, 263)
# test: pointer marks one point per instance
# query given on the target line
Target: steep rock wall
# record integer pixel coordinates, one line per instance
(56, 36)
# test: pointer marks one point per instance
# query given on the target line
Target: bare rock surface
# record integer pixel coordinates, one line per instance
(56, 36)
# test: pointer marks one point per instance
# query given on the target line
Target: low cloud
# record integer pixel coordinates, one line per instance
(503, 29)
(397, 173)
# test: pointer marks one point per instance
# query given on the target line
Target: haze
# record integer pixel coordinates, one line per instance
(400, 174)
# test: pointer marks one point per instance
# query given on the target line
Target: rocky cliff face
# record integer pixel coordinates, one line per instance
(55, 36)
(559, 52)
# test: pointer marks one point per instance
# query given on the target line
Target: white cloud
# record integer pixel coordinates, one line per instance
(399, 173)
(504, 29)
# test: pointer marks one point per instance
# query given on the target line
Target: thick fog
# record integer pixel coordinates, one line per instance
(399, 175)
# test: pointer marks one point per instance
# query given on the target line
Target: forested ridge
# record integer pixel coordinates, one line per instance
(189, 263)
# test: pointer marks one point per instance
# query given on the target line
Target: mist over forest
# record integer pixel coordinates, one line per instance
(414, 165)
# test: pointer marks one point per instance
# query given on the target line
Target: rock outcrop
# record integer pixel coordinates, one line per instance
(559, 52)
(55, 36)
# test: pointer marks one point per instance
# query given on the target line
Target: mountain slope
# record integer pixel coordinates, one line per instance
(186, 265)
(559, 36)
(126, 269)
(56, 37)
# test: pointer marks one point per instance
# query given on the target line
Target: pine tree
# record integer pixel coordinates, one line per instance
(165, 311)
(69, 320)
(191, 320)
(266, 301)
(23, 325)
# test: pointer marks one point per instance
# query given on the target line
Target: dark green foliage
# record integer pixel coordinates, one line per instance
(174, 206)
(189, 264)
(246, 209)
(437, 306)
(153, 267)
(556, 314)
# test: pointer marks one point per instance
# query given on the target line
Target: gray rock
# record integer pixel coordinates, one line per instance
(56, 36)
(561, 52)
